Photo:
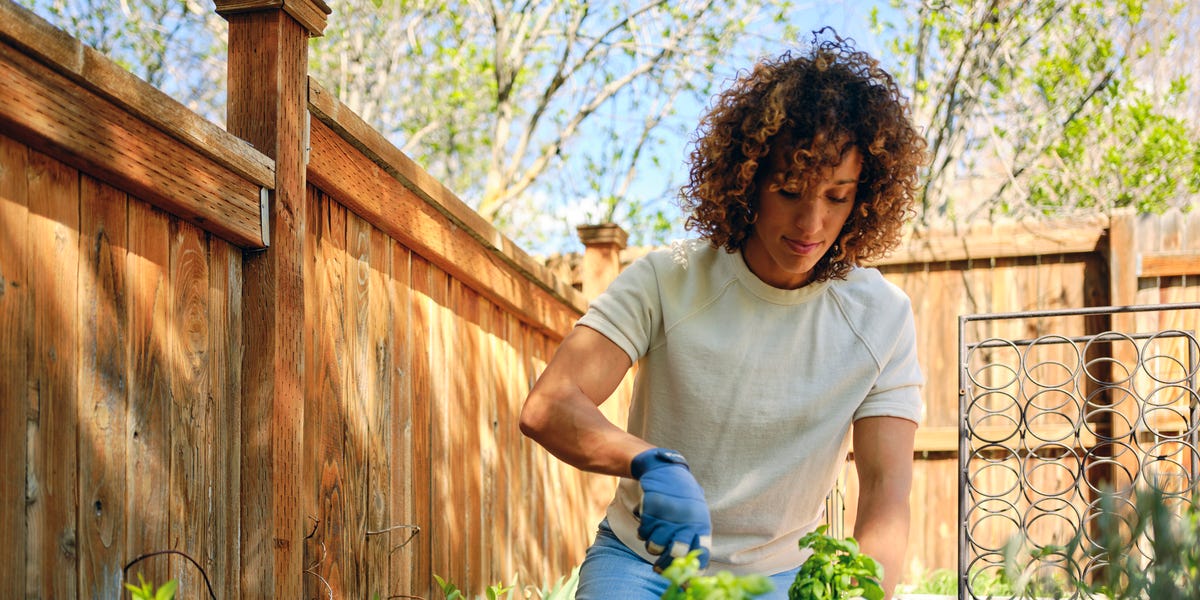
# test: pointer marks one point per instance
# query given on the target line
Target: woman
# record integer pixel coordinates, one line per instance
(759, 344)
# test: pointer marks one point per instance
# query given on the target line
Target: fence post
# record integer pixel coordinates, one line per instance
(1123, 288)
(267, 107)
(602, 256)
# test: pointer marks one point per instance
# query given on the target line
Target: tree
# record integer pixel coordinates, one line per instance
(177, 46)
(520, 104)
(1048, 107)
(522, 107)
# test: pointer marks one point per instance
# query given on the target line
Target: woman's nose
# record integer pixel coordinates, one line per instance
(808, 217)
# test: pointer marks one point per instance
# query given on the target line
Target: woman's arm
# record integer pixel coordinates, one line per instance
(562, 411)
(883, 449)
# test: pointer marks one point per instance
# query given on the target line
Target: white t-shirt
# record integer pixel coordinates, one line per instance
(756, 387)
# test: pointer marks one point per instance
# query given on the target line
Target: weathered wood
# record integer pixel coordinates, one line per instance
(1000, 241)
(1168, 265)
(449, 518)
(422, 389)
(147, 443)
(364, 187)
(375, 351)
(334, 539)
(355, 324)
(223, 561)
(16, 316)
(312, 14)
(268, 57)
(52, 492)
(58, 117)
(103, 407)
(401, 537)
(190, 418)
(97, 73)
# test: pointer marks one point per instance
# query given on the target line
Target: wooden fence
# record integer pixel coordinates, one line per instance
(282, 350)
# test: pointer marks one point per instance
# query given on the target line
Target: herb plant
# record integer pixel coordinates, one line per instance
(836, 570)
(147, 591)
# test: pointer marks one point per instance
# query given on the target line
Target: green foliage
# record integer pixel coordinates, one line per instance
(836, 570)
(688, 584)
(1050, 108)
(1168, 525)
(146, 590)
(563, 589)
(944, 582)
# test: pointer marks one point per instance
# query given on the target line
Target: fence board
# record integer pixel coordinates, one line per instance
(421, 336)
(380, 435)
(333, 495)
(399, 541)
(15, 327)
(190, 417)
(147, 444)
(358, 386)
(103, 393)
(223, 545)
(52, 495)
(310, 470)
(355, 489)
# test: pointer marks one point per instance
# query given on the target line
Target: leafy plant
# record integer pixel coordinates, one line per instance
(451, 591)
(944, 582)
(836, 570)
(1173, 536)
(147, 591)
(563, 589)
(688, 584)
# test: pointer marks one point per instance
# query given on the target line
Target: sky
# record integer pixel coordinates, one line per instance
(557, 219)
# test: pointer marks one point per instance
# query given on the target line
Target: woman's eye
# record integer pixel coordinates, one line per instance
(837, 199)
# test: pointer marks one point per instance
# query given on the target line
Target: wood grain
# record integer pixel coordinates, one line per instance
(52, 492)
(104, 353)
(191, 416)
(403, 422)
(376, 350)
(16, 326)
(367, 189)
(421, 317)
(95, 72)
(60, 118)
(147, 440)
(268, 56)
(221, 540)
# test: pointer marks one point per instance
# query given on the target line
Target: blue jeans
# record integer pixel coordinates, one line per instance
(611, 571)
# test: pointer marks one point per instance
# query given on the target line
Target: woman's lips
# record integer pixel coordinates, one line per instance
(801, 247)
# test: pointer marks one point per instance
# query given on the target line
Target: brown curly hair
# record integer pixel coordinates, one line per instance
(816, 106)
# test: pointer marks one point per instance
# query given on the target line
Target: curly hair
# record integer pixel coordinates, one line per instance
(816, 106)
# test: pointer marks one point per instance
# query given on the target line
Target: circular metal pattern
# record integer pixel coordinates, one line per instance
(1054, 425)
(1043, 370)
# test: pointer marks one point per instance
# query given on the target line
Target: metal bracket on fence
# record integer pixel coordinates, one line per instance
(264, 210)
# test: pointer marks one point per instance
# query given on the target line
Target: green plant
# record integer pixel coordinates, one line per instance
(147, 591)
(944, 582)
(688, 584)
(563, 589)
(836, 570)
(1174, 535)
(1169, 524)
(451, 591)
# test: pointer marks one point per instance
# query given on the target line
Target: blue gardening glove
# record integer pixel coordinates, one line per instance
(674, 516)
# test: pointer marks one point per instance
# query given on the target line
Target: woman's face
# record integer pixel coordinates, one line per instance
(795, 230)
